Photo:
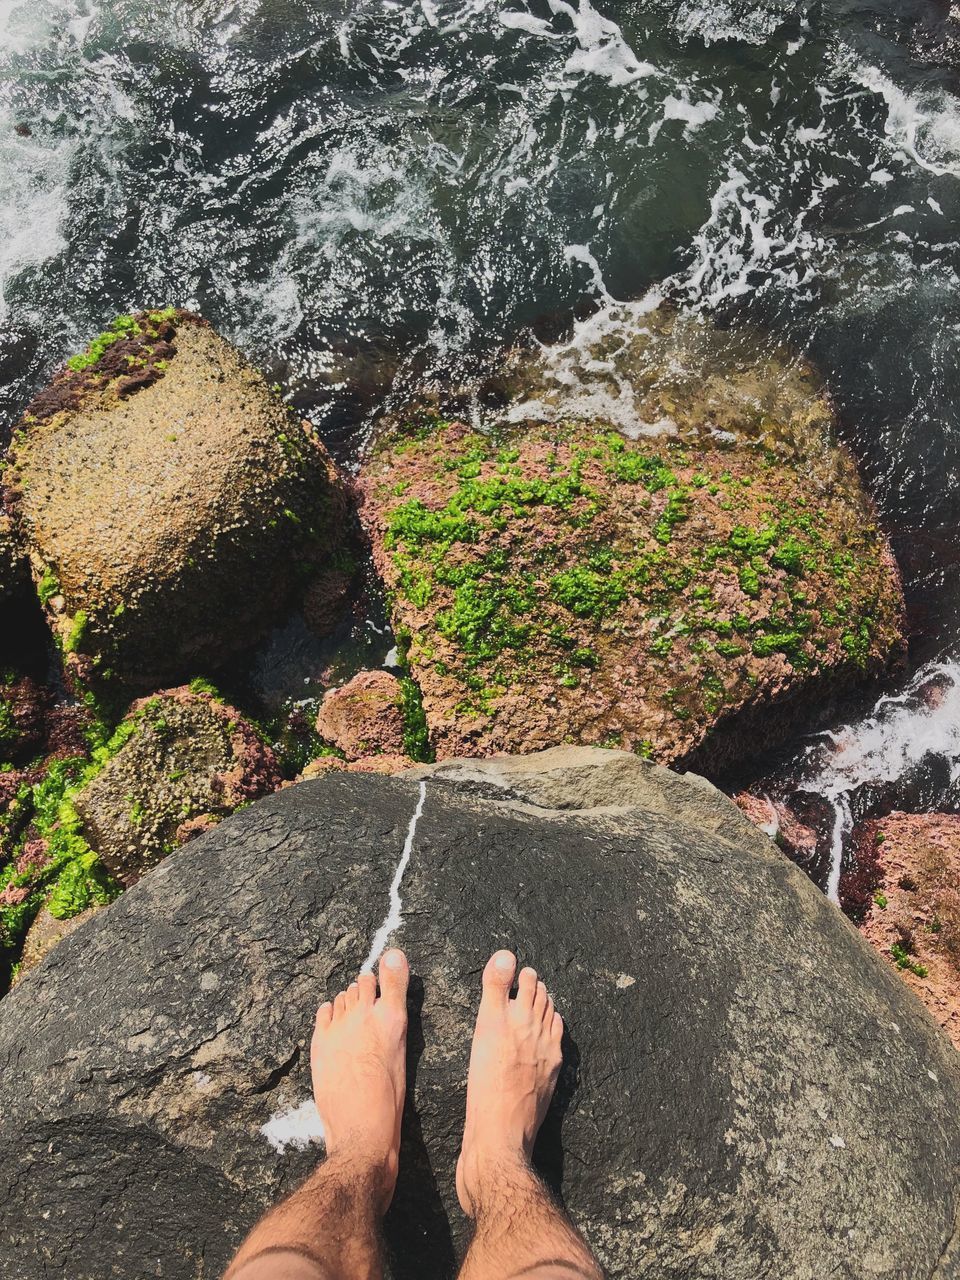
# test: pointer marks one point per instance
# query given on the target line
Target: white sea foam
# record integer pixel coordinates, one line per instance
(902, 732)
(925, 126)
(295, 1127)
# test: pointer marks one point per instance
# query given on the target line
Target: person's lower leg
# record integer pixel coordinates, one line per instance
(514, 1064)
(329, 1228)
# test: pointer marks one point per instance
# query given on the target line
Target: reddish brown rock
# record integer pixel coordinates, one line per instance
(23, 704)
(565, 584)
(364, 717)
(914, 916)
(776, 820)
(44, 934)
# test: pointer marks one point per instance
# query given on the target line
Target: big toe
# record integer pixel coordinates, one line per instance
(394, 976)
(498, 979)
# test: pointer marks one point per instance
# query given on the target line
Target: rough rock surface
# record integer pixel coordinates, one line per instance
(748, 1092)
(190, 760)
(365, 716)
(689, 596)
(167, 500)
(913, 917)
(12, 571)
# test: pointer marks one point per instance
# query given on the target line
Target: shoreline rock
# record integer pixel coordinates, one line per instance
(168, 501)
(737, 1057)
(692, 598)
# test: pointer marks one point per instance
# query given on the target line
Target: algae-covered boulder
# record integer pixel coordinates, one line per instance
(748, 1092)
(187, 760)
(683, 594)
(167, 499)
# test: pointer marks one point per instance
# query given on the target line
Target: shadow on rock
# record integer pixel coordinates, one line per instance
(417, 1217)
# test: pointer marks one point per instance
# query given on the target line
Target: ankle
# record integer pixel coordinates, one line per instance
(373, 1175)
(488, 1175)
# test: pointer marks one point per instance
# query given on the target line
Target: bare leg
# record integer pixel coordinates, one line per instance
(514, 1064)
(330, 1228)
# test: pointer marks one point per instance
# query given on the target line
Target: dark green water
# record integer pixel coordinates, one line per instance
(367, 193)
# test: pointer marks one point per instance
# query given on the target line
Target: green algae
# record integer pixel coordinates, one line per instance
(497, 605)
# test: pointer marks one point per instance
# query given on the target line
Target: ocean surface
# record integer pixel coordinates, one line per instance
(370, 194)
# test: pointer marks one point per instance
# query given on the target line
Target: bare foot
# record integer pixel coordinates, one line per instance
(358, 1058)
(514, 1064)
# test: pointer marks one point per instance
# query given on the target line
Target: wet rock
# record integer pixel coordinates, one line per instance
(912, 916)
(168, 501)
(365, 716)
(692, 595)
(326, 601)
(189, 760)
(775, 820)
(747, 1091)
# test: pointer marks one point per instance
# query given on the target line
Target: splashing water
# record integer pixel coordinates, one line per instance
(906, 751)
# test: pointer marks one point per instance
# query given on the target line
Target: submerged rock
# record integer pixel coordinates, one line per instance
(912, 916)
(168, 500)
(188, 761)
(748, 1090)
(688, 596)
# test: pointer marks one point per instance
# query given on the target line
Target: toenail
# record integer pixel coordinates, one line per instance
(504, 961)
(392, 959)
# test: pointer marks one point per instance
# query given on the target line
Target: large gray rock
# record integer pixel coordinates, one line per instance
(748, 1092)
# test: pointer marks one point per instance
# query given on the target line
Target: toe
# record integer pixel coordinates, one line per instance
(340, 1004)
(394, 978)
(540, 999)
(526, 988)
(352, 995)
(548, 1013)
(367, 984)
(324, 1015)
(556, 1029)
(498, 979)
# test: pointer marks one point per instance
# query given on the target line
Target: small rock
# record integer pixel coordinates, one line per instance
(365, 717)
(190, 760)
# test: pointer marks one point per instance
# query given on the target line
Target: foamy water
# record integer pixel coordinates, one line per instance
(906, 752)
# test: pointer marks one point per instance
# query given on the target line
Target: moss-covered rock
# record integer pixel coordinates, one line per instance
(685, 595)
(187, 761)
(168, 500)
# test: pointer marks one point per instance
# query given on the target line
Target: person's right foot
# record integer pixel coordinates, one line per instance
(514, 1064)
(358, 1060)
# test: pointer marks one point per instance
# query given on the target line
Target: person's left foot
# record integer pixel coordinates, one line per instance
(358, 1057)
